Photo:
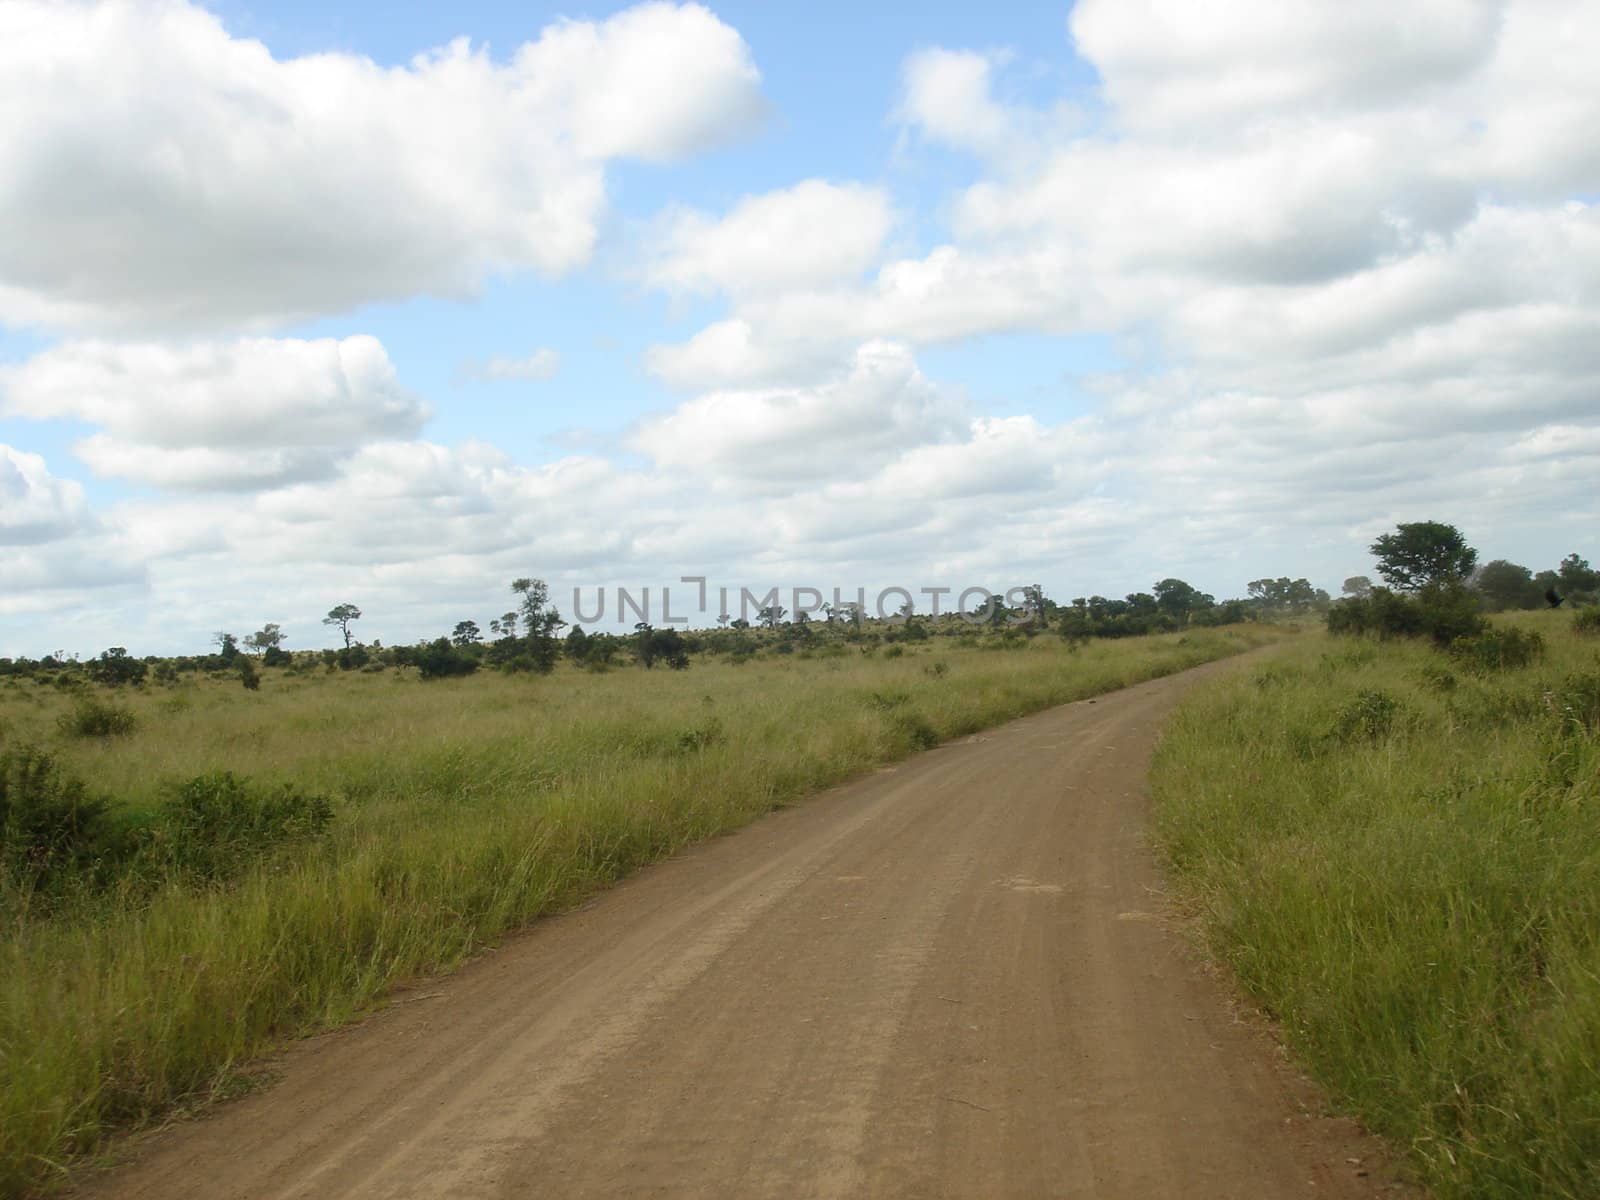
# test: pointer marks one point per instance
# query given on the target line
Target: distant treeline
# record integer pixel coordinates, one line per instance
(533, 637)
(1426, 566)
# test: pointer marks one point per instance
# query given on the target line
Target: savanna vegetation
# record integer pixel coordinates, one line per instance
(193, 869)
(1391, 833)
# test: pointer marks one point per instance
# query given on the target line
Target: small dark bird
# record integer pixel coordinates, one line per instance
(1552, 598)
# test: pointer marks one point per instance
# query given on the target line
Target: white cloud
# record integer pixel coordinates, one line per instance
(813, 233)
(880, 405)
(542, 364)
(948, 95)
(1168, 64)
(244, 414)
(35, 506)
(731, 354)
(158, 173)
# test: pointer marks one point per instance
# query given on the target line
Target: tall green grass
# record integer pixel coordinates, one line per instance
(1398, 852)
(463, 808)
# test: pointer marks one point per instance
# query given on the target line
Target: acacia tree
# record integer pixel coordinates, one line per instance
(1358, 586)
(269, 637)
(466, 633)
(341, 615)
(540, 622)
(1423, 553)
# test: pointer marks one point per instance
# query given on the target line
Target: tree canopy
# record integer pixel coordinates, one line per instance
(1421, 553)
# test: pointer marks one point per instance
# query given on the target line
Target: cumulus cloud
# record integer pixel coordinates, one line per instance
(35, 506)
(1167, 64)
(880, 404)
(157, 173)
(815, 232)
(249, 413)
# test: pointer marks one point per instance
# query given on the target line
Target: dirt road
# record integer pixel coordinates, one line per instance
(947, 979)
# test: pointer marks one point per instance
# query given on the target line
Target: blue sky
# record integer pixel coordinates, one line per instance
(834, 296)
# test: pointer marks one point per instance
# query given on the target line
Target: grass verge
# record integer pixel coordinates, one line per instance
(1397, 851)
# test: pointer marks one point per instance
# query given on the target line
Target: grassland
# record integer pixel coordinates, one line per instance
(462, 808)
(1400, 859)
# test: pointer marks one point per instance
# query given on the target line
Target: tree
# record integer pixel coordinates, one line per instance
(1577, 576)
(114, 667)
(1423, 553)
(771, 615)
(466, 633)
(1505, 585)
(341, 615)
(227, 645)
(1179, 598)
(540, 622)
(269, 637)
(439, 659)
(1358, 586)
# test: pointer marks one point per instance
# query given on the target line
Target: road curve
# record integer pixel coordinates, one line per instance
(949, 978)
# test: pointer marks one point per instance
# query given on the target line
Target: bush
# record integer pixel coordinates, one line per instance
(1369, 716)
(1586, 621)
(1498, 649)
(441, 660)
(1443, 612)
(214, 824)
(93, 717)
(49, 825)
(114, 668)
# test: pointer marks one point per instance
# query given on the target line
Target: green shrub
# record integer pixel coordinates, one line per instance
(214, 824)
(692, 740)
(1369, 716)
(93, 717)
(441, 660)
(1443, 612)
(1498, 649)
(49, 824)
(1587, 621)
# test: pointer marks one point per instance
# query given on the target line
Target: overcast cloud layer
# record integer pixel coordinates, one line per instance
(1350, 256)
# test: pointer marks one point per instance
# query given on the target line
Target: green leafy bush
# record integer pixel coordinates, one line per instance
(1498, 649)
(1444, 612)
(1587, 621)
(441, 660)
(1369, 716)
(93, 717)
(49, 825)
(214, 824)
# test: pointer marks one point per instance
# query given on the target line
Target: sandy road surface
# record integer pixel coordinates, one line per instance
(945, 979)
